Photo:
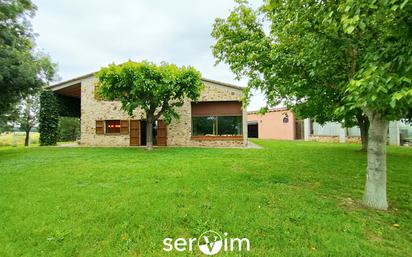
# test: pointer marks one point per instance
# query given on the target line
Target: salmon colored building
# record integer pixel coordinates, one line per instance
(278, 123)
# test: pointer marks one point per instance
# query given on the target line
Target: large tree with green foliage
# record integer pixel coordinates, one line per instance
(343, 60)
(157, 90)
(23, 70)
(250, 51)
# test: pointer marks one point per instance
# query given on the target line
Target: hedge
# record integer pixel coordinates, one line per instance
(48, 118)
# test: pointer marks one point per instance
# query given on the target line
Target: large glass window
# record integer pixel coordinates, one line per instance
(217, 126)
(112, 126)
(204, 126)
(229, 125)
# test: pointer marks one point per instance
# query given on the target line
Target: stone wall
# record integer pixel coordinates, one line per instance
(334, 139)
(178, 132)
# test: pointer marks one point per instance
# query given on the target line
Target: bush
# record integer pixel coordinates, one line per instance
(48, 118)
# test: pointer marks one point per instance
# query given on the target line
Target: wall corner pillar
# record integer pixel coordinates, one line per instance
(306, 126)
(394, 133)
(244, 129)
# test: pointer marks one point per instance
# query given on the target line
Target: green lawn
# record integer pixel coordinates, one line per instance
(288, 199)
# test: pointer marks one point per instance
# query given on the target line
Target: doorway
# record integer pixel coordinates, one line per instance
(253, 129)
(143, 129)
(299, 129)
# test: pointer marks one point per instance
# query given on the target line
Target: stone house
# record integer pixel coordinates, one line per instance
(217, 119)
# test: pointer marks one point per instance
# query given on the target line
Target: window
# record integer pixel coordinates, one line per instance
(204, 126)
(217, 126)
(120, 127)
(112, 126)
(229, 125)
(216, 119)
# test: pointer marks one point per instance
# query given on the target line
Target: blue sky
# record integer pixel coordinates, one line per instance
(82, 36)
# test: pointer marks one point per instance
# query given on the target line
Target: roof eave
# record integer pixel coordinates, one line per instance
(76, 80)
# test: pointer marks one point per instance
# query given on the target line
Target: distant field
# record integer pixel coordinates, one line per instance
(17, 138)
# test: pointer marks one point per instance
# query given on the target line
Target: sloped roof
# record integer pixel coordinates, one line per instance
(78, 79)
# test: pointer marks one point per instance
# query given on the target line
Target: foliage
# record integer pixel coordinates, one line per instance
(100, 201)
(7, 119)
(69, 129)
(157, 90)
(313, 54)
(383, 83)
(23, 70)
(28, 112)
(328, 59)
(48, 118)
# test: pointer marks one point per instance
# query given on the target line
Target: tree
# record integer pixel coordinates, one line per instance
(23, 70)
(28, 115)
(345, 61)
(382, 86)
(301, 47)
(157, 90)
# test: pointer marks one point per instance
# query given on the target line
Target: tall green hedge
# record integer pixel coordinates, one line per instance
(48, 118)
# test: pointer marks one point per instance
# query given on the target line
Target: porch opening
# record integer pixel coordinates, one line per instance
(253, 129)
(143, 139)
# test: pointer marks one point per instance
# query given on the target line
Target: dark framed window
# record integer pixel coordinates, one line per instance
(229, 125)
(217, 126)
(204, 126)
(113, 126)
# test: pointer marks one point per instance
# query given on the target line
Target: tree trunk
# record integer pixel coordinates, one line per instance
(26, 140)
(375, 187)
(363, 123)
(149, 133)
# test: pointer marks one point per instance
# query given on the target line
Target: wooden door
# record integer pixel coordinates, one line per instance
(161, 133)
(299, 133)
(135, 132)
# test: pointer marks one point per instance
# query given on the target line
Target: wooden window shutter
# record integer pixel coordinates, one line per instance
(161, 133)
(99, 127)
(134, 132)
(124, 127)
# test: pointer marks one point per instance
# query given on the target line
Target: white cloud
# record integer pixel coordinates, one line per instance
(82, 36)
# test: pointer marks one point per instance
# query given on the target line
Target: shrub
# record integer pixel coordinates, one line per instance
(48, 118)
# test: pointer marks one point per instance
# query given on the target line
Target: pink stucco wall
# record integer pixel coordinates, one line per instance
(271, 125)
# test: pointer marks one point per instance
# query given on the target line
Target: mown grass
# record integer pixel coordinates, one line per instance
(288, 199)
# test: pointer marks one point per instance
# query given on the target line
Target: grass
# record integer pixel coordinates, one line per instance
(288, 199)
(17, 138)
